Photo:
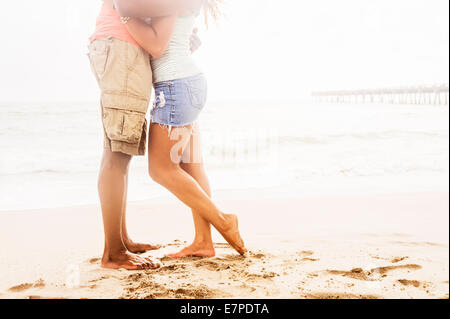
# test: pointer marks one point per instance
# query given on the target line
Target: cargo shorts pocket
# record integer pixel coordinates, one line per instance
(98, 56)
(123, 126)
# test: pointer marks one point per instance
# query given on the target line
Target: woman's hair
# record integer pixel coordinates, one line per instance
(211, 10)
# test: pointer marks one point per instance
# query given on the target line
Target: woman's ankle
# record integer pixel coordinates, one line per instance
(203, 242)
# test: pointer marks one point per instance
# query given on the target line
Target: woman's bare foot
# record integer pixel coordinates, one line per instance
(232, 235)
(138, 248)
(128, 261)
(195, 250)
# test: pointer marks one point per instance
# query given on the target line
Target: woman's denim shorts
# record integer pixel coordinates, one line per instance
(179, 102)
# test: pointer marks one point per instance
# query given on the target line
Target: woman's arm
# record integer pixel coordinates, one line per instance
(153, 38)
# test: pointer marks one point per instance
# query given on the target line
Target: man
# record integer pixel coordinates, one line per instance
(124, 75)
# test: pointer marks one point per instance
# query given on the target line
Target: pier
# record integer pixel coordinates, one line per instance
(423, 95)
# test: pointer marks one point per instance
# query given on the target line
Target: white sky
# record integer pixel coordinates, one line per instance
(263, 49)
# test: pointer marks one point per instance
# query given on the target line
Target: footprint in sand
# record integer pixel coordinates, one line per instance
(398, 259)
(238, 266)
(212, 265)
(414, 283)
(361, 274)
(171, 268)
(146, 288)
(231, 258)
(356, 273)
(388, 269)
(234, 267)
(306, 256)
(22, 287)
(393, 260)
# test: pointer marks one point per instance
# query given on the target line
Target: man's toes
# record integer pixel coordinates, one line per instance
(152, 263)
(149, 264)
(142, 263)
(148, 259)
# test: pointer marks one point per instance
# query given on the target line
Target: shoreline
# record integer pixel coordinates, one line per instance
(359, 186)
(322, 246)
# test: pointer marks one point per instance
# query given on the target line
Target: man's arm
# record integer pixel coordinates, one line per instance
(148, 8)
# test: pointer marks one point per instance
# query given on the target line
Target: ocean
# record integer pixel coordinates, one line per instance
(51, 151)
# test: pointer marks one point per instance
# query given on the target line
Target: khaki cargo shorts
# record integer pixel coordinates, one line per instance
(124, 75)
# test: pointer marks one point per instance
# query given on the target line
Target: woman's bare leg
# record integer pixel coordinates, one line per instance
(203, 245)
(164, 168)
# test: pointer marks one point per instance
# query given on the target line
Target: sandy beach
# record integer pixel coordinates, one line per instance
(341, 246)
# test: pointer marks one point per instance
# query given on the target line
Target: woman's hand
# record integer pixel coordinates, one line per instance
(196, 43)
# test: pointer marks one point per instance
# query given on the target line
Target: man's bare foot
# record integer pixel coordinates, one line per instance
(232, 235)
(138, 248)
(128, 261)
(195, 250)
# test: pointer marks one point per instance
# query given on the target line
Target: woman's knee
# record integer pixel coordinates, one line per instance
(155, 174)
(158, 171)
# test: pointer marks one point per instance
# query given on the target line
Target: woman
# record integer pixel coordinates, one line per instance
(174, 152)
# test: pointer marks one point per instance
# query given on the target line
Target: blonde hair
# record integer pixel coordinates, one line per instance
(211, 10)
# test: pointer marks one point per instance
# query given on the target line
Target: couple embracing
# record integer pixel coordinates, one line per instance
(139, 45)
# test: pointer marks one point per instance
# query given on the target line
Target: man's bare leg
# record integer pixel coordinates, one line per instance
(111, 187)
(133, 247)
(169, 174)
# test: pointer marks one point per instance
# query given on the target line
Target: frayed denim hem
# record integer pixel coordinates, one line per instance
(170, 127)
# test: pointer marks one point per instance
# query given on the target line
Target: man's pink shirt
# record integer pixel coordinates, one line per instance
(109, 25)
